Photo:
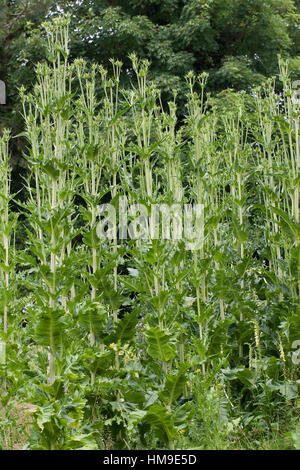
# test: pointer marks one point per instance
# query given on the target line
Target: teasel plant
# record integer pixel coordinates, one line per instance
(8, 221)
(114, 131)
(143, 105)
(270, 166)
(158, 155)
(289, 129)
(201, 138)
(149, 141)
(238, 156)
(115, 137)
(279, 135)
(170, 155)
(90, 155)
(48, 131)
(143, 114)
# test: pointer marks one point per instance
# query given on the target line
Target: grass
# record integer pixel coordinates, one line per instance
(15, 420)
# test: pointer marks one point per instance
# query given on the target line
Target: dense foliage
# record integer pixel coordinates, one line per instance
(151, 342)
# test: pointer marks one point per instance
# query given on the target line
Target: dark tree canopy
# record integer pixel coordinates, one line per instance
(236, 41)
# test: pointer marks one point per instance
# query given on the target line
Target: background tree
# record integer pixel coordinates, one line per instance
(237, 42)
(20, 49)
